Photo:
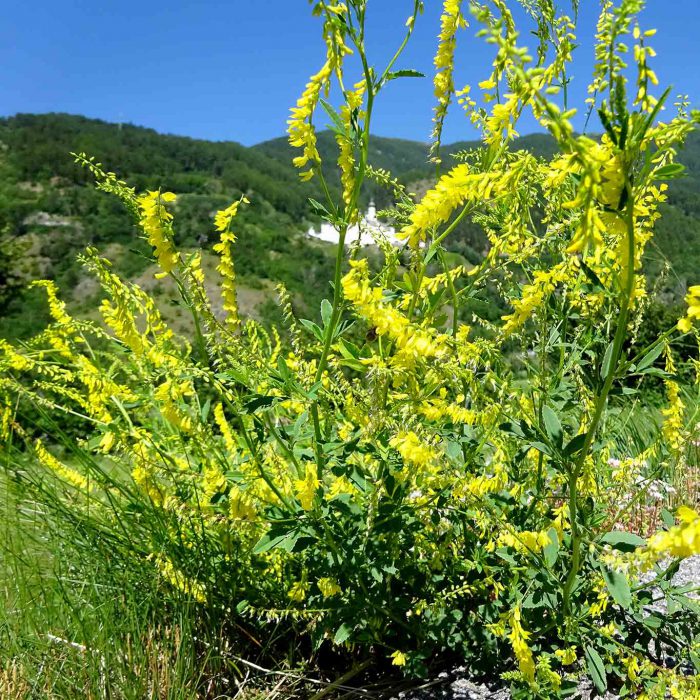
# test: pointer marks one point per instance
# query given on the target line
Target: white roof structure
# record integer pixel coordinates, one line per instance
(366, 230)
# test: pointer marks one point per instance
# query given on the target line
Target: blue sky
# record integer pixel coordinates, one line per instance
(230, 69)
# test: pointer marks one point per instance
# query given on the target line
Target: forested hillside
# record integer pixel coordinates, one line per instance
(49, 210)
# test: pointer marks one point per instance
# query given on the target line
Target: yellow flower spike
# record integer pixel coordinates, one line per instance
(518, 639)
(66, 473)
(171, 394)
(241, 505)
(222, 223)
(451, 21)
(155, 221)
(57, 308)
(346, 158)
(672, 428)
(413, 343)
(567, 656)
(412, 449)
(307, 487)
(535, 293)
(178, 580)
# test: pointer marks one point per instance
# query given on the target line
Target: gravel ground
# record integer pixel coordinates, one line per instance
(456, 686)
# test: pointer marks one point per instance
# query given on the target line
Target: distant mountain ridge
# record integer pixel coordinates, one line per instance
(48, 204)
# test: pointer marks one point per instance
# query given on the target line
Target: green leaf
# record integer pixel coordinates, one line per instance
(319, 209)
(649, 359)
(260, 401)
(343, 633)
(623, 541)
(552, 426)
(668, 518)
(313, 327)
(596, 669)
(326, 312)
(283, 369)
(606, 367)
(619, 587)
(404, 73)
(285, 541)
(575, 445)
(335, 118)
(541, 447)
(551, 551)
(669, 172)
(519, 429)
(592, 277)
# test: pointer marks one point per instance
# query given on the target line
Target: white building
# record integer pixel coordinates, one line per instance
(367, 230)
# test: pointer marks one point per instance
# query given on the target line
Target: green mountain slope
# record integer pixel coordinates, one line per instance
(49, 210)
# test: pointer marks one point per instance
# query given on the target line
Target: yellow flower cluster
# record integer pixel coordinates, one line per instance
(301, 132)
(349, 112)
(307, 487)
(178, 580)
(452, 190)
(567, 656)
(500, 125)
(412, 342)
(518, 639)
(225, 428)
(412, 449)
(222, 223)
(241, 505)
(66, 473)
(673, 416)
(525, 541)
(692, 299)
(645, 75)
(12, 359)
(440, 409)
(155, 220)
(171, 394)
(57, 308)
(672, 427)
(681, 540)
(450, 22)
(213, 481)
(600, 174)
(298, 591)
(100, 389)
(328, 587)
(299, 127)
(398, 658)
(535, 293)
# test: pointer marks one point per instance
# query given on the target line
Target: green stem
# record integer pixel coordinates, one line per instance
(600, 404)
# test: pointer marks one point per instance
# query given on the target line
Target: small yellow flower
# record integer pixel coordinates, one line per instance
(398, 658)
(681, 540)
(298, 591)
(306, 488)
(567, 656)
(693, 300)
(328, 587)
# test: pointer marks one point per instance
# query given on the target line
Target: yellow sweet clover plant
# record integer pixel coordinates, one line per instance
(412, 478)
